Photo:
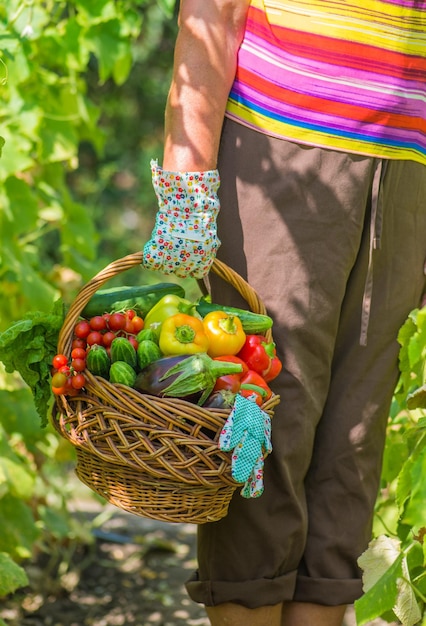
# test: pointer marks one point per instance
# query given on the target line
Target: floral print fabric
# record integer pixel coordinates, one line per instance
(184, 239)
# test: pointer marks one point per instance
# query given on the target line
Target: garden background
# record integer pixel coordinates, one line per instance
(82, 94)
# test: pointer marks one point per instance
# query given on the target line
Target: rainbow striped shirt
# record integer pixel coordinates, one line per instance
(343, 74)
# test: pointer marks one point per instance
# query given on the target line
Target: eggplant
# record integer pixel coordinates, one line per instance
(191, 377)
(222, 399)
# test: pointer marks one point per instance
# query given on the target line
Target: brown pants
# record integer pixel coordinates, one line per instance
(335, 245)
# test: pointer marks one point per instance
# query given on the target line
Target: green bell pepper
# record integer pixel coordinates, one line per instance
(169, 305)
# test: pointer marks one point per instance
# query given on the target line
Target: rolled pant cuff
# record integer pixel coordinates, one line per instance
(250, 593)
(327, 591)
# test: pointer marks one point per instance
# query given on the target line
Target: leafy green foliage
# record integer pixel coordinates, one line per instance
(60, 66)
(28, 347)
(395, 563)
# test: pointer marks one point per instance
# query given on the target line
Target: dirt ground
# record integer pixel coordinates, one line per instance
(132, 575)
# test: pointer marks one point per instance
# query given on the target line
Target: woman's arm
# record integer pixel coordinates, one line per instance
(210, 33)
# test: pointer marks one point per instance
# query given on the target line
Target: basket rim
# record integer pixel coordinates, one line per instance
(130, 261)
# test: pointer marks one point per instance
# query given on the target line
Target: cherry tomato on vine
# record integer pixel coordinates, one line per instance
(78, 381)
(137, 324)
(117, 321)
(59, 360)
(128, 326)
(78, 343)
(65, 369)
(82, 329)
(59, 380)
(79, 365)
(78, 353)
(107, 338)
(98, 322)
(130, 313)
(59, 391)
(94, 337)
(133, 341)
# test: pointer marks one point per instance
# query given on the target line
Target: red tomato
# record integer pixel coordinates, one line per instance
(78, 381)
(59, 360)
(117, 321)
(130, 313)
(65, 369)
(133, 341)
(79, 365)
(82, 329)
(128, 326)
(107, 338)
(98, 322)
(78, 343)
(78, 353)
(137, 324)
(94, 337)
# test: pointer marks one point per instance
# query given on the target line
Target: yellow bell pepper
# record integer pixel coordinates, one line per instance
(224, 332)
(182, 334)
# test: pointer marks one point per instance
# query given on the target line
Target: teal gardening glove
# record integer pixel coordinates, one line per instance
(247, 432)
(184, 239)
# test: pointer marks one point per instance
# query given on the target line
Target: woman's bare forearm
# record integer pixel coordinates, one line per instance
(210, 33)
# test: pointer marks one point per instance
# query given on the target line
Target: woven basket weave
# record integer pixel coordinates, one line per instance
(154, 457)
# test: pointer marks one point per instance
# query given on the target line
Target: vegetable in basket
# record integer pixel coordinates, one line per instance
(189, 377)
(251, 322)
(224, 332)
(182, 334)
(259, 353)
(169, 305)
(139, 298)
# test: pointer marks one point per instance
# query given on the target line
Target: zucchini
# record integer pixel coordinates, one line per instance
(253, 323)
(140, 298)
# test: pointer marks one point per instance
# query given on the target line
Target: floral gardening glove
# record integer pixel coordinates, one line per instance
(247, 432)
(184, 239)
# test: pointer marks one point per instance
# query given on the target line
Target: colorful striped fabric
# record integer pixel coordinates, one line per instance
(344, 74)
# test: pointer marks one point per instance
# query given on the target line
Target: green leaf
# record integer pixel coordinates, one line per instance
(382, 565)
(411, 487)
(406, 607)
(15, 474)
(167, 6)
(104, 40)
(12, 576)
(18, 529)
(58, 140)
(22, 203)
(28, 347)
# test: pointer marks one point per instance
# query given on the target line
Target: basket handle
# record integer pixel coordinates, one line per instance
(125, 263)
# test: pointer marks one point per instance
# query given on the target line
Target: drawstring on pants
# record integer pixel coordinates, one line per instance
(376, 221)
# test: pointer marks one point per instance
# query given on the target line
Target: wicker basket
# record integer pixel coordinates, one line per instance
(154, 457)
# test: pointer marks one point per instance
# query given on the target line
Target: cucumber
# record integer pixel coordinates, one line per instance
(121, 372)
(98, 361)
(147, 333)
(148, 351)
(140, 298)
(122, 350)
(253, 323)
